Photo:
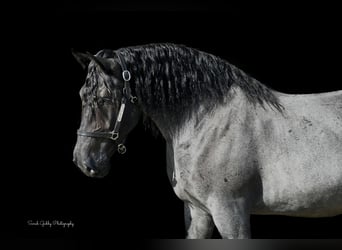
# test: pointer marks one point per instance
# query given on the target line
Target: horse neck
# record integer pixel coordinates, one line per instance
(235, 104)
(161, 125)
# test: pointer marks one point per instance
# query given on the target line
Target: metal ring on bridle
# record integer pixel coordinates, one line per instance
(126, 75)
(133, 99)
(121, 149)
(114, 136)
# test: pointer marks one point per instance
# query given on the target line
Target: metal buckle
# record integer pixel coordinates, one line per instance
(114, 136)
(126, 75)
(121, 149)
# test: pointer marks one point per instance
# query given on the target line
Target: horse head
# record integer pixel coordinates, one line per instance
(109, 112)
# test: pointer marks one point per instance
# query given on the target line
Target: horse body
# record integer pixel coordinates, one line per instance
(243, 159)
(234, 147)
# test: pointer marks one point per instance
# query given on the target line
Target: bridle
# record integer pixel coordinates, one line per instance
(126, 96)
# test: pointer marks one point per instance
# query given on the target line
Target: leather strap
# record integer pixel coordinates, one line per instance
(126, 95)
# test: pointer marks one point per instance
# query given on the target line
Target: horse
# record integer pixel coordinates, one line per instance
(234, 147)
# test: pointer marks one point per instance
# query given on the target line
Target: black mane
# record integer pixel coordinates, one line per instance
(174, 79)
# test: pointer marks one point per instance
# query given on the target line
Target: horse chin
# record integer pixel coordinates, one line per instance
(98, 172)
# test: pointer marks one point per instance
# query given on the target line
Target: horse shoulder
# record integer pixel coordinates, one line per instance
(216, 157)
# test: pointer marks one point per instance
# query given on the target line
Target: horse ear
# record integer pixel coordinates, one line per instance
(82, 58)
(103, 63)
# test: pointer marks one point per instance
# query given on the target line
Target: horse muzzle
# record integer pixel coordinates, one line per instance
(90, 169)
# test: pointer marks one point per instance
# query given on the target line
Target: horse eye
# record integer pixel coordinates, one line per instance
(101, 101)
(106, 99)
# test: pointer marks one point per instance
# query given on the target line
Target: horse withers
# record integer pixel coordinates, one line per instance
(234, 146)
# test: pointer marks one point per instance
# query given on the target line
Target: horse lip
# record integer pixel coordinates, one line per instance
(98, 172)
(94, 173)
(91, 171)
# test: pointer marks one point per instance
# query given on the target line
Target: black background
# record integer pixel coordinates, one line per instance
(291, 48)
